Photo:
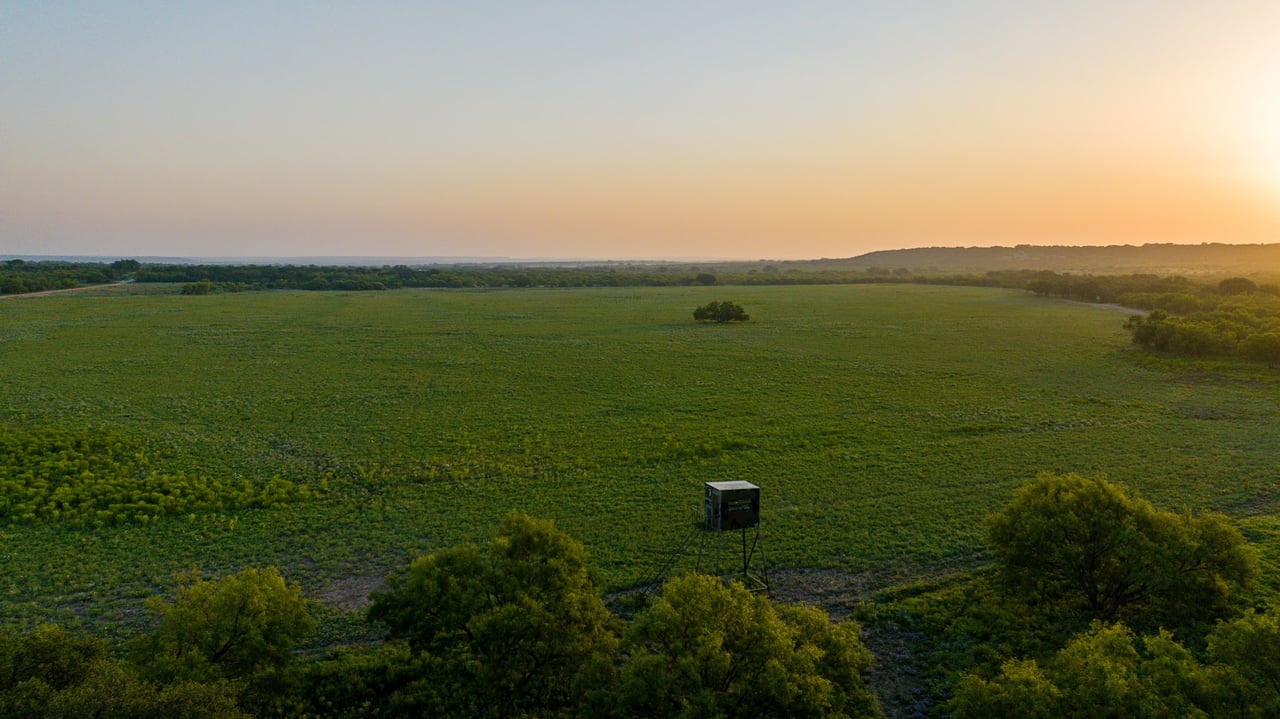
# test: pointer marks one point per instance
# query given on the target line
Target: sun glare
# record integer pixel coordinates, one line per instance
(1265, 134)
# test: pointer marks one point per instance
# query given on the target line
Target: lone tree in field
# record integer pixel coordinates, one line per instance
(720, 312)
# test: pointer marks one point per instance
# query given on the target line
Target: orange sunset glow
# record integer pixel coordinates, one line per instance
(581, 131)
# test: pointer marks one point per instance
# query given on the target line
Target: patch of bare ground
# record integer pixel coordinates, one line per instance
(1108, 306)
(1205, 377)
(835, 591)
(351, 594)
(839, 592)
(1254, 507)
(899, 674)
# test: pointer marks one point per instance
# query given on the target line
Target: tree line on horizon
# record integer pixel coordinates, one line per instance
(21, 277)
(1163, 258)
(209, 279)
(1233, 317)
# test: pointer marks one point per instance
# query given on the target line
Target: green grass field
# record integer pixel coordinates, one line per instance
(882, 423)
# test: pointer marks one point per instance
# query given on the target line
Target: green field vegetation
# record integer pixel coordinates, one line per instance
(883, 422)
(88, 478)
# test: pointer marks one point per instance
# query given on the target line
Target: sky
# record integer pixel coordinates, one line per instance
(627, 130)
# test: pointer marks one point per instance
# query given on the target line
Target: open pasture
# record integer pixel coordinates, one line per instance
(882, 423)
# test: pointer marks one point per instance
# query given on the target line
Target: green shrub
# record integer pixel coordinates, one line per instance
(720, 312)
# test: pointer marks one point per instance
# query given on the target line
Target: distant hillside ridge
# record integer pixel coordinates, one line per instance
(1209, 258)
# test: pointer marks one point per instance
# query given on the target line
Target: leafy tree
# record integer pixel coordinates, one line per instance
(506, 631)
(1022, 689)
(232, 627)
(705, 278)
(1086, 547)
(385, 680)
(52, 673)
(49, 654)
(1264, 347)
(1107, 672)
(1098, 671)
(1180, 335)
(1101, 673)
(1237, 286)
(1250, 646)
(702, 649)
(720, 312)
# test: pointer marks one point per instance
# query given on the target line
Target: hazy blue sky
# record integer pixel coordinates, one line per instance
(611, 129)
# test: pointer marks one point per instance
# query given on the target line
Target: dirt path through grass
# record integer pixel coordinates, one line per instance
(45, 293)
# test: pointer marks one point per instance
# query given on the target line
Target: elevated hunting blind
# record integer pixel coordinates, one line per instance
(731, 505)
(727, 507)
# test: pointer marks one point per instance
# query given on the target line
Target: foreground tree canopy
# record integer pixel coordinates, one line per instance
(516, 628)
(51, 673)
(1109, 672)
(1083, 546)
(702, 649)
(513, 626)
(229, 628)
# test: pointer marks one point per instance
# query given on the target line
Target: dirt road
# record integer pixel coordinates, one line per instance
(46, 293)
